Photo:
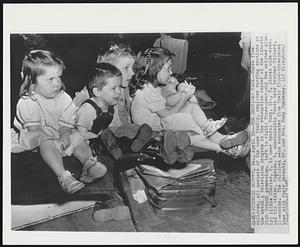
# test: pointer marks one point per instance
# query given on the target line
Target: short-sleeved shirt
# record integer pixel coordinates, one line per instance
(87, 114)
(50, 114)
(146, 103)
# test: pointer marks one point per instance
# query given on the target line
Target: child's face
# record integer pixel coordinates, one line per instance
(125, 64)
(49, 84)
(110, 93)
(165, 72)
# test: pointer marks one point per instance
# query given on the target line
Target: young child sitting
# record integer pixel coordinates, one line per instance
(176, 112)
(121, 56)
(96, 114)
(45, 119)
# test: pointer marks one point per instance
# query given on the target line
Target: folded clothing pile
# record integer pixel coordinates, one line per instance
(182, 187)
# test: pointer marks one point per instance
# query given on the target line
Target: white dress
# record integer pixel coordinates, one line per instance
(148, 101)
(50, 114)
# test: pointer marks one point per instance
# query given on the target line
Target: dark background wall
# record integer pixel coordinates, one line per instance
(221, 76)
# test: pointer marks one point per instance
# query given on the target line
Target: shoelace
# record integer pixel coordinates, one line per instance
(234, 151)
(67, 181)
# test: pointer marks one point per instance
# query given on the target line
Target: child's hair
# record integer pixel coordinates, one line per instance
(35, 64)
(101, 72)
(148, 64)
(112, 50)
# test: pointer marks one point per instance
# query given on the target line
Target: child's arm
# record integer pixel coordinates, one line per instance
(173, 99)
(170, 92)
(176, 108)
(86, 134)
(85, 118)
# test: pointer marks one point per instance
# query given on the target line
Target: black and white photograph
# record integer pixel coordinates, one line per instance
(116, 129)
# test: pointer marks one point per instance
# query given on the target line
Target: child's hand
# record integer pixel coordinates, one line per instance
(60, 146)
(65, 142)
(75, 139)
(191, 89)
(87, 135)
(173, 80)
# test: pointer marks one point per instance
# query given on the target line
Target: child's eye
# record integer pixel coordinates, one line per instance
(55, 78)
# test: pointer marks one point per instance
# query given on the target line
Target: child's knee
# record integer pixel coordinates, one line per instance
(190, 107)
(82, 148)
(49, 143)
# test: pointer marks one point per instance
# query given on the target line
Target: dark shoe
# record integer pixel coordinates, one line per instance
(186, 155)
(170, 146)
(142, 138)
(183, 140)
(111, 144)
(153, 146)
(234, 140)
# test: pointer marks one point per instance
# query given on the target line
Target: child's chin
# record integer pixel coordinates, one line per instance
(51, 96)
(113, 103)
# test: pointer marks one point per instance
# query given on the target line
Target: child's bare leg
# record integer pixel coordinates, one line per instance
(82, 152)
(234, 143)
(217, 137)
(209, 127)
(205, 143)
(52, 157)
(196, 112)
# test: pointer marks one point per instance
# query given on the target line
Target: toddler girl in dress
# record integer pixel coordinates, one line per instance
(177, 111)
(45, 119)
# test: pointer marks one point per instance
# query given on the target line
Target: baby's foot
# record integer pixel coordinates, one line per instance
(92, 170)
